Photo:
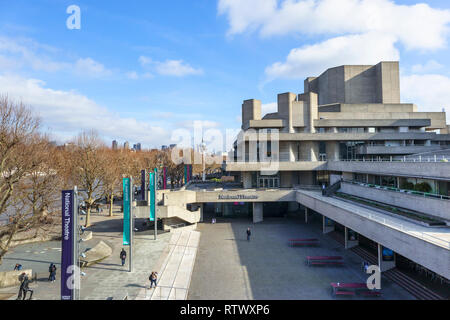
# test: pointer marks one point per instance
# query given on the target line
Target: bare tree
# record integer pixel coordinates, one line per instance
(115, 160)
(88, 168)
(19, 144)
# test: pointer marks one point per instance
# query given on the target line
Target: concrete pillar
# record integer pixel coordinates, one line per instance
(350, 243)
(383, 264)
(247, 180)
(257, 212)
(332, 148)
(309, 151)
(286, 179)
(327, 228)
(306, 215)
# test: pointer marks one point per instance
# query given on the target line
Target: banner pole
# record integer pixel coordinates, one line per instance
(156, 188)
(131, 224)
(76, 246)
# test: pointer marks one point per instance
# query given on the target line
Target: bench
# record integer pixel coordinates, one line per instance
(324, 260)
(360, 288)
(303, 242)
(371, 293)
(338, 263)
(345, 293)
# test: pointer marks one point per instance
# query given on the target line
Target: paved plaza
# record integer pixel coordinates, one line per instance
(230, 268)
(104, 280)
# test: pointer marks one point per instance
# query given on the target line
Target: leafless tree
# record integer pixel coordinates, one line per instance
(20, 143)
(88, 164)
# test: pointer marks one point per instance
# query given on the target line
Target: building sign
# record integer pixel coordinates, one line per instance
(143, 185)
(329, 222)
(67, 268)
(387, 254)
(237, 197)
(126, 211)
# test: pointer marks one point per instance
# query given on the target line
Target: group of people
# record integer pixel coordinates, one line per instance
(25, 280)
(153, 276)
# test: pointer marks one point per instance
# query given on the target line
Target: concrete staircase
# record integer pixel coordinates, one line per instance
(395, 275)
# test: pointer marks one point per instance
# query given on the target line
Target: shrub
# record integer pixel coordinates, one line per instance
(423, 187)
(407, 186)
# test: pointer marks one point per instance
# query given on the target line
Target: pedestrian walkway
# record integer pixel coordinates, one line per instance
(175, 267)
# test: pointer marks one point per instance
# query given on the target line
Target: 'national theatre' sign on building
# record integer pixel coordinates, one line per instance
(237, 197)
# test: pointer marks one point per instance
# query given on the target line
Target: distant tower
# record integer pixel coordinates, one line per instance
(114, 145)
(138, 146)
(126, 145)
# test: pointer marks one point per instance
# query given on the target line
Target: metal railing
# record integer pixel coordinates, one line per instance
(412, 192)
(393, 224)
(435, 158)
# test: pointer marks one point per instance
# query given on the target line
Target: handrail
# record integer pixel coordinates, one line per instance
(435, 158)
(412, 192)
(391, 223)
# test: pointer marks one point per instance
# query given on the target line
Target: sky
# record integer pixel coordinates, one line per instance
(139, 70)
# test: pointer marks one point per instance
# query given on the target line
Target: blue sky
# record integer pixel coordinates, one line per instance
(137, 70)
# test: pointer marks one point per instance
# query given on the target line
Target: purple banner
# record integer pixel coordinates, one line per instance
(143, 191)
(164, 178)
(67, 268)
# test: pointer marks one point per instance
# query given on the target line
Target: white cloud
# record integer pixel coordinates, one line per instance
(26, 53)
(66, 112)
(415, 26)
(357, 31)
(429, 66)
(91, 68)
(177, 68)
(430, 92)
(132, 75)
(311, 60)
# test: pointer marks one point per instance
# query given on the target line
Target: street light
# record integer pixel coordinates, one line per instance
(203, 149)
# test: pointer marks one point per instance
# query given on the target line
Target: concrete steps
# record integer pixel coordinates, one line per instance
(410, 285)
(395, 275)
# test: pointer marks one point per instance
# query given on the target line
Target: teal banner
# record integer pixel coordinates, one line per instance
(126, 211)
(152, 185)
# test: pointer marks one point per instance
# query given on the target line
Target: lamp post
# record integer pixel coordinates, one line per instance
(203, 149)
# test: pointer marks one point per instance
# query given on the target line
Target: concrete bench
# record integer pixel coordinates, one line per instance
(96, 254)
(303, 242)
(371, 293)
(337, 263)
(344, 293)
(11, 278)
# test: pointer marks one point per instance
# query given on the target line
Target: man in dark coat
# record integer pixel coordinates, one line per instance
(123, 256)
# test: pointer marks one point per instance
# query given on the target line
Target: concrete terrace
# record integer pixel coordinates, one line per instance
(428, 246)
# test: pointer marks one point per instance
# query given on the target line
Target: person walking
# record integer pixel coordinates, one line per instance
(123, 256)
(18, 267)
(53, 273)
(50, 272)
(24, 287)
(153, 278)
(249, 233)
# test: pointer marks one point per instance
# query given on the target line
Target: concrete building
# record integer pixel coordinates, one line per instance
(114, 145)
(126, 145)
(348, 151)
